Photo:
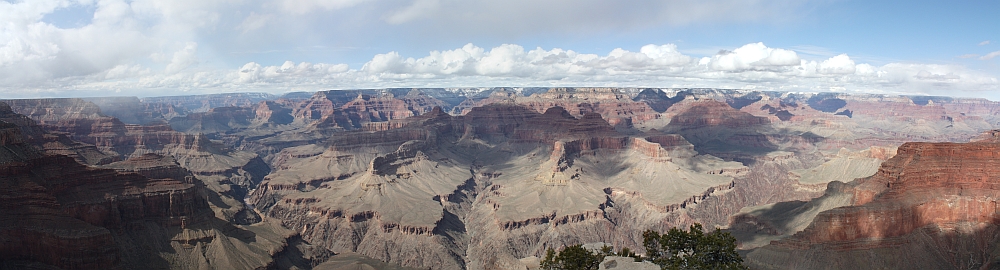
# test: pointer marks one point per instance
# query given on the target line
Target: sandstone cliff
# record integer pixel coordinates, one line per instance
(930, 206)
(443, 178)
(144, 212)
(484, 178)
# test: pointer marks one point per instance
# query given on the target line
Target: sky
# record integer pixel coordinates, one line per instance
(81, 48)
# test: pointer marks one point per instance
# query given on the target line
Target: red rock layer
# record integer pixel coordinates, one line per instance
(947, 190)
(711, 113)
(610, 103)
(334, 109)
(273, 112)
(111, 135)
(57, 212)
(54, 109)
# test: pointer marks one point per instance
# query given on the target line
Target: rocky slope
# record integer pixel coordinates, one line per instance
(930, 206)
(144, 212)
(445, 178)
(195, 152)
(488, 178)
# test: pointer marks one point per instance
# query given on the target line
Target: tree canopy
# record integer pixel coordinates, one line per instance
(676, 249)
(693, 249)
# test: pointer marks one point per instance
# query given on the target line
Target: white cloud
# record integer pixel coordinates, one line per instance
(753, 56)
(514, 61)
(512, 65)
(985, 42)
(183, 58)
(125, 72)
(840, 64)
(151, 46)
(989, 56)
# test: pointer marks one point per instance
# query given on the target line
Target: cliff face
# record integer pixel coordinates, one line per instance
(195, 152)
(480, 178)
(930, 206)
(51, 143)
(144, 212)
(436, 189)
(340, 109)
(612, 104)
(55, 109)
(60, 213)
(711, 113)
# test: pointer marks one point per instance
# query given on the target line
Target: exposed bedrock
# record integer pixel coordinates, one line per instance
(54, 109)
(454, 172)
(389, 174)
(614, 105)
(410, 214)
(60, 213)
(933, 205)
(146, 212)
(341, 109)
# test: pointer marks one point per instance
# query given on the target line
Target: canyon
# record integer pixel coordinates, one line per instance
(489, 178)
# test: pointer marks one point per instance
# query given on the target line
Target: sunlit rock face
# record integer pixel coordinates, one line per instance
(476, 178)
(498, 174)
(933, 205)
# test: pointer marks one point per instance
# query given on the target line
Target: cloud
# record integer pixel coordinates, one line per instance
(652, 65)
(156, 33)
(989, 56)
(985, 42)
(925, 75)
(968, 55)
(183, 58)
(510, 60)
(840, 64)
(752, 56)
(159, 47)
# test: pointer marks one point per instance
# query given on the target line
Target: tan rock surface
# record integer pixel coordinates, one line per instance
(932, 205)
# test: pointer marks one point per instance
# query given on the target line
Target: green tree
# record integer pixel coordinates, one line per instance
(693, 249)
(549, 262)
(574, 257)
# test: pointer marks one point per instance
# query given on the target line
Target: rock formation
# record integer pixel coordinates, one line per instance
(931, 206)
(144, 212)
(480, 178)
(446, 179)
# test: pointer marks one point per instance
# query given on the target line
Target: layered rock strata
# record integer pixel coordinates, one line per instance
(446, 179)
(931, 206)
(60, 213)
